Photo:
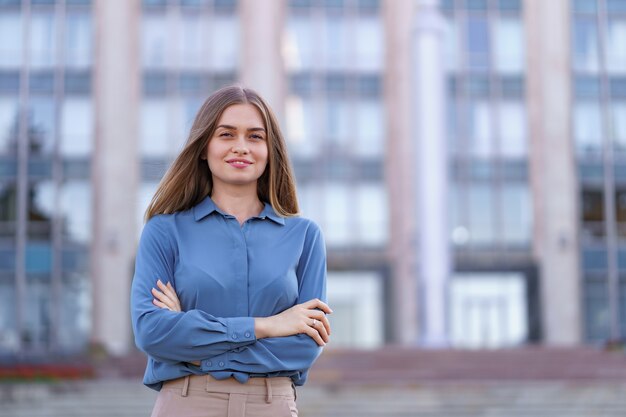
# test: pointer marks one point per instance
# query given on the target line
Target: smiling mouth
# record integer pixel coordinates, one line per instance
(239, 164)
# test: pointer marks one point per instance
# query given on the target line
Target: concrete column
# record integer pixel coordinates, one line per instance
(552, 168)
(261, 63)
(399, 170)
(115, 169)
(431, 168)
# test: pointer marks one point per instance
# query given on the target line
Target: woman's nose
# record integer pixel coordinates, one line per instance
(240, 146)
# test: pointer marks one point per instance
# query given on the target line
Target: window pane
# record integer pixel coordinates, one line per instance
(335, 41)
(615, 50)
(9, 118)
(512, 126)
(224, 43)
(10, 40)
(619, 125)
(78, 40)
(9, 338)
(41, 124)
(337, 220)
(300, 121)
(154, 41)
(508, 45)
(77, 127)
(478, 42)
(516, 214)
(338, 124)
(585, 45)
(369, 137)
(371, 207)
(587, 127)
(452, 53)
(480, 132)
(298, 49)
(76, 211)
(154, 128)
(481, 214)
(191, 41)
(369, 44)
(42, 40)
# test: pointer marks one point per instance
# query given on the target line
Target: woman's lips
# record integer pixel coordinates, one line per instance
(239, 163)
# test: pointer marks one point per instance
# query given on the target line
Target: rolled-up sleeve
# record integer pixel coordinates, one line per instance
(169, 336)
(292, 353)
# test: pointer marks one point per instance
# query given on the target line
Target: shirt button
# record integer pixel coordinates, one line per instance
(209, 363)
(221, 363)
(247, 334)
(234, 335)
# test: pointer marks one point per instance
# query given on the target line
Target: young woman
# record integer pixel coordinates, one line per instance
(227, 297)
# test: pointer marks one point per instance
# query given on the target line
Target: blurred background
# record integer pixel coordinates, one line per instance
(466, 160)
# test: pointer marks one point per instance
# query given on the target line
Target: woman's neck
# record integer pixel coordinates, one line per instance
(242, 205)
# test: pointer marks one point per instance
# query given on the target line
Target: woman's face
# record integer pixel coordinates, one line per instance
(237, 151)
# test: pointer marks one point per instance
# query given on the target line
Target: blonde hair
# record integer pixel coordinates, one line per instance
(188, 181)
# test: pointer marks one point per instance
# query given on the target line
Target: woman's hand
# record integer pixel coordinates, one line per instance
(166, 298)
(308, 318)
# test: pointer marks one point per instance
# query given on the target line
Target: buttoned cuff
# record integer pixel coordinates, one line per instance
(240, 332)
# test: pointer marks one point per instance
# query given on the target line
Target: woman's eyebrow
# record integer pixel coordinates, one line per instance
(234, 128)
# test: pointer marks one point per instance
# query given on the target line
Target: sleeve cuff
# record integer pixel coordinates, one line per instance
(240, 329)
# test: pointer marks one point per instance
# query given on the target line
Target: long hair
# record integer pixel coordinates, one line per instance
(188, 181)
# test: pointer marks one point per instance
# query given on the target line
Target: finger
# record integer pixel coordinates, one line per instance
(160, 304)
(321, 329)
(162, 298)
(314, 334)
(317, 303)
(321, 317)
(169, 285)
(170, 293)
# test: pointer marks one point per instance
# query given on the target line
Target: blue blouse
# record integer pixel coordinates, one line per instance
(225, 274)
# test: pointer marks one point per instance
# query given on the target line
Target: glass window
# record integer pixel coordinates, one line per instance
(300, 121)
(191, 42)
(41, 211)
(225, 43)
(311, 203)
(76, 211)
(338, 123)
(516, 214)
(452, 52)
(481, 214)
(585, 44)
(512, 126)
(76, 128)
(615, 50)
(10, 40)
(585, 6)
(592, 206)
(9, 119)
(154, 129)
(42, 40)
(616, 6)
(371, 206)
(587, 126)
(41, 125)
(154, 41)
(299, 47)
(9, 338)
(508, 40)
(146, 192)
(78, 40)
(335, 41)
(369, 136)
(478, 42)
(480, 129)
(619, 125)
(336, 214)
(369, 44)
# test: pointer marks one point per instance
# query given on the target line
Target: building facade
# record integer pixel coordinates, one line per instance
(97, 97)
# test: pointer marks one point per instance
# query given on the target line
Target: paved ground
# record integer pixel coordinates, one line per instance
(128, 398)
(394, 382)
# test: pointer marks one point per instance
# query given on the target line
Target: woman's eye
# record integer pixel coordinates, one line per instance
(257, 137)
(225, 134)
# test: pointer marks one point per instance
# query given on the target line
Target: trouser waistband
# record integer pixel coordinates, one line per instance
(270, 387)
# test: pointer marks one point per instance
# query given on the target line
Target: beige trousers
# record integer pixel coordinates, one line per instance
(205, 396)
